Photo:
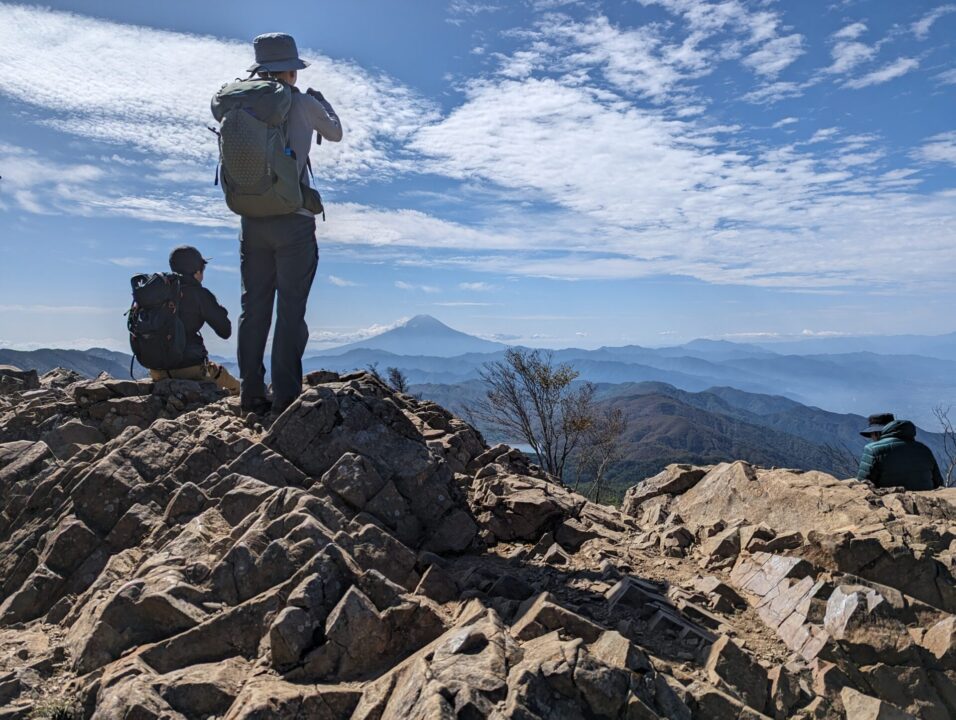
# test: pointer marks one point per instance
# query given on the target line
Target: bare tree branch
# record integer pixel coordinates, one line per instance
(841, 459)
(373, 368)
(602, 448)
(949, 444)
(398, 380)
(529, 397)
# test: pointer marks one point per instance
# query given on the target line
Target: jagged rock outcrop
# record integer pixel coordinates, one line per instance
(858, 583)
(367, 556)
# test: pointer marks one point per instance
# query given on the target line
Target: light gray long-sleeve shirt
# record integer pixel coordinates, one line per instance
(309, 115)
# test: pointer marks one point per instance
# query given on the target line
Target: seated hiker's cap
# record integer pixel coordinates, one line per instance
(877, 423)
(187, 260)
(276, 52)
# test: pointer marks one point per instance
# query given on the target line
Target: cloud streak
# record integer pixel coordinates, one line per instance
(129, 102)
(922, 26)
(895, 69)
(939, 149)
(343, 336)
(342, 282)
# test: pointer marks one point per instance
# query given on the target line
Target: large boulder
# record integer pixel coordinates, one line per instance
(672, 480)
(14, 380)
(785, 500)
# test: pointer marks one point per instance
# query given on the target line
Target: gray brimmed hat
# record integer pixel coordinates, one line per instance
(877, 423)
(276, 52)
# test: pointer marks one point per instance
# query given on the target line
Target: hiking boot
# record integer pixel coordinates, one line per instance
(257, 405)
(279, 406)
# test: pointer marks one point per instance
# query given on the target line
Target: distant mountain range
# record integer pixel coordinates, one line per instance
(430, 352)
(90, 362)
(703, 401)
(937, 346)
(668, 425)
(860, 382)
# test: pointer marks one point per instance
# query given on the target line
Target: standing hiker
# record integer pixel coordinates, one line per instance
(264, 139)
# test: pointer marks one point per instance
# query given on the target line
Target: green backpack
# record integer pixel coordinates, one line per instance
(259, 174)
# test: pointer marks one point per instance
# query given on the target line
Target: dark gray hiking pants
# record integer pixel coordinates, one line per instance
(279, 256)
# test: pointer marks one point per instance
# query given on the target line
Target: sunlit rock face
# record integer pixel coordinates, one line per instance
(366, 555)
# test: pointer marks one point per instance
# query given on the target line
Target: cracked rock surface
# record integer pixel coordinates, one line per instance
(367, 555)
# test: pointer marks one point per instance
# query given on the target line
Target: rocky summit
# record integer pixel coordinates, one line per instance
(367, 556)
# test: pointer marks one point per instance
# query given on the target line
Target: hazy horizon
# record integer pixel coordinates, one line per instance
(758, 339)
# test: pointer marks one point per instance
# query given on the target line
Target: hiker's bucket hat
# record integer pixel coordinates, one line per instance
(276, 52)
(877, 423)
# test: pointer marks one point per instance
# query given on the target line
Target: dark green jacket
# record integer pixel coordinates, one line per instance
(898, 460)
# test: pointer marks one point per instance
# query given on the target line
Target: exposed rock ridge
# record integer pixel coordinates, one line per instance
(367, 556)
(858, 583)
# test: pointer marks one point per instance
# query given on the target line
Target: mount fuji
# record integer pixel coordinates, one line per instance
(422, 335)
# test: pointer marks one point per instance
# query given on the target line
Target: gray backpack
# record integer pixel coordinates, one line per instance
(258, 173)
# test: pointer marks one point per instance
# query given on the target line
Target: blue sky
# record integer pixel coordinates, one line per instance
(546, 172)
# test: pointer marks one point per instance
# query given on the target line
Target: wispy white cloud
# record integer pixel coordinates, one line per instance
(939, 149)
(402, 285)
(947, 77)
(476, 286)
(895, 69)
(634, 60)
(128, 262)
(342, 336)
(342, 282)
(41, 186)
(676, 198)
(752, 34)
(847, 52)
(553, 4)
(648, 60)
(459, 10)
(851, 31)
(42, 47)
(922, 26)
(473, 7)
(806, 332)
(775, 55)
(823, 134)
(783, 122)
(775, 91)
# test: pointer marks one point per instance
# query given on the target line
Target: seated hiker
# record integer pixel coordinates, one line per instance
(895, 458)
(197, 307)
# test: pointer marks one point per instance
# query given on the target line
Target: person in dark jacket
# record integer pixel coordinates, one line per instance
(897, 459)
(198, 307)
